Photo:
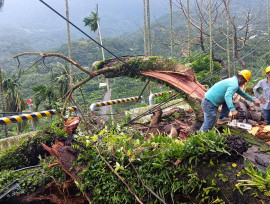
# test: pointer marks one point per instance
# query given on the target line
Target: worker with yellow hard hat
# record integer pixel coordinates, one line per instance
(264, 97)
(222, 93)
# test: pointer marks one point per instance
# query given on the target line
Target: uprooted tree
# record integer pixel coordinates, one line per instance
(164, 70)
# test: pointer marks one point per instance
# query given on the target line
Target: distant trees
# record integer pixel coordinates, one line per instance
(14, 101)
(3, 106)
(44, 93)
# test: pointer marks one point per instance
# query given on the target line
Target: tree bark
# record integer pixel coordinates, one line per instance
(3, 101)
(171, 29)
(144, 29)
(69, 43)
(149, 29)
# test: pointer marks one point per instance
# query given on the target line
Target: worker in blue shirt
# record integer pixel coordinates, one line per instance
(222, 93)
(264, 85)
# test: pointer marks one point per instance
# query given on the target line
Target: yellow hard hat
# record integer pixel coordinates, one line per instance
(267, 69)
(245, 73)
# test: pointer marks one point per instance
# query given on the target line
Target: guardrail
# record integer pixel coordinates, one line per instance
(151, 97)
(111, 102)
(31, 116)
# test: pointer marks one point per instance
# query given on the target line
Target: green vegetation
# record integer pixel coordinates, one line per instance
(259, 180)
(128, 153)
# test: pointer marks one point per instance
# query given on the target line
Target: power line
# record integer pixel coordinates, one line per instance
(82, 31)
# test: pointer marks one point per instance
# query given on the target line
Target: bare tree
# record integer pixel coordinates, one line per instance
(207, 16)
(69, 42)
(268, 21)
(227, 6)
(148, 27)
(210, 37)
(171, 28)
(201, 24)
(188, 24)
(144, 29)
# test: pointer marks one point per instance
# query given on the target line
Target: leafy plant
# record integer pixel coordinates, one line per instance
(259, 180)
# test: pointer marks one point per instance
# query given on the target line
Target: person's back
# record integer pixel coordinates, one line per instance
(217, 93)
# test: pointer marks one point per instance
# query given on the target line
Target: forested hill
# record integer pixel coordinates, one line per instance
(41, 30)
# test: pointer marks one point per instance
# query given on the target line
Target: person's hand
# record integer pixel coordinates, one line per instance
(234, 113)
(257, 103)
(262, 100)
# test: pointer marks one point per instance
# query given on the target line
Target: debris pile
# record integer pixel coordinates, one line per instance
(176, 123)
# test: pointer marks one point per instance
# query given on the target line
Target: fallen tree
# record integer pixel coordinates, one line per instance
(157, 68)
(120, 165)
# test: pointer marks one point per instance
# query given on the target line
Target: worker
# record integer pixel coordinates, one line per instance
(264, 97)
(222, 93)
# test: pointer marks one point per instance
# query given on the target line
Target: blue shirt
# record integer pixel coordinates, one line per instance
(224, 91)
(265, 87)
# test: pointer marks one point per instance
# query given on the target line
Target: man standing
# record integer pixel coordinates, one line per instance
(222, 93)
(264, 85)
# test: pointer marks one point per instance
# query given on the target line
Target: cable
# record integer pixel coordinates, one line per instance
(151, 110)
(215, 73)
(82, 31)
(117, 56)
(15, 184)
(25, 168)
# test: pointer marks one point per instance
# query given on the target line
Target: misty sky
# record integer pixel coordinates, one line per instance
(32, 14)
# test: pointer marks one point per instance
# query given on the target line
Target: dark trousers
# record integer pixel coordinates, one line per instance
(224, 111)
(266, 114)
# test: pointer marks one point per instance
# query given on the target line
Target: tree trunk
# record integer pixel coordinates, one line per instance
(144, 29)
(149, 27)
(171, 29)
(3, 101)
(228, 36)
(210, 38)
(236, 54)
(69, 42)
(268, 21)
(188, 22)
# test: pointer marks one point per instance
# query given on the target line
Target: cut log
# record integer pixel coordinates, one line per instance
(256, 115)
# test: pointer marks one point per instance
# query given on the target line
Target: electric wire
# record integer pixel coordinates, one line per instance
(215, 44)
(120, 58)
(15, 184)
(82, 31)
(22, 169)
(117, 56)
(206, 79)
(151, 110)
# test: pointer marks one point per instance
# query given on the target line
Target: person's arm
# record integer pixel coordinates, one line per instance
(229, 95)
(256, 90)
(244, 94)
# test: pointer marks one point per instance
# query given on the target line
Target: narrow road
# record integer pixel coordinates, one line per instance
(105, 109)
